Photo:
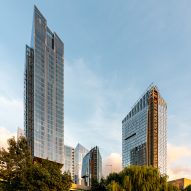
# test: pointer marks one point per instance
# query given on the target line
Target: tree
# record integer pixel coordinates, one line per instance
(113, 177)
(14, 161)
(172, 188)
(101, 186)
(114, 186)
(139, 178)
(18, 171)
(188, 188)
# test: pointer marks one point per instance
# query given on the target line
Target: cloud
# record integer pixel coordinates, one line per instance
(79, 78)
(112, 164)
(179, 165)
(4, 135)
(11, 116)
(11, 113)
(181, 171)
(10, 102)
(92, 108)
(177, 152)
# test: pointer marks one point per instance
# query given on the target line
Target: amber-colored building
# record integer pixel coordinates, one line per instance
(181, 183)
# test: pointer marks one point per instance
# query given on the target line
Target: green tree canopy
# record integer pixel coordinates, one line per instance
(101, 186)
(188, 188)
(138, 178)
(172, 188)
(18, 172)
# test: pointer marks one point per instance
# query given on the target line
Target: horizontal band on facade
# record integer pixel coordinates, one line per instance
(130, 136)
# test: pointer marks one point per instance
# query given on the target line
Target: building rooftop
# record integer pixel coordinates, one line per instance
(134, 109)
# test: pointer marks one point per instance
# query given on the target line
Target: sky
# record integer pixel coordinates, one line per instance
(113, 51)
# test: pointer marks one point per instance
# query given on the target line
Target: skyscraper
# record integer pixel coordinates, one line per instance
(144, 132)
(69, 160)
(79, 153)
(44, 92)
(92, 166)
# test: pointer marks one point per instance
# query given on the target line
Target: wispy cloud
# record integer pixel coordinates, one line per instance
(112, 163)
(5, 134)
(179, 158)
(95, 117)
(180, 171)
(177, 152)
(11, 113)
(11, 116)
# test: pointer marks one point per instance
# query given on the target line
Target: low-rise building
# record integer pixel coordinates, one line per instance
(181, 183)
(78, 187)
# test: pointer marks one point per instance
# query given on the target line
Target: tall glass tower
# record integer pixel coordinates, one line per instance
(44, 92)
(144, 132)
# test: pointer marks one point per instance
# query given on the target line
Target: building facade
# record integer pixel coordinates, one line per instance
(92, 166)
(69, 160)
(44, 92)
(144, 132)
(20, 133)
(79, 153)
(181, 183)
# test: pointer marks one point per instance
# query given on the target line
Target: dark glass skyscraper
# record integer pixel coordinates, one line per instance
(44, 92)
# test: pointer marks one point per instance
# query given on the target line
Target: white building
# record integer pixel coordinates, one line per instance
(68, 160)
(79, 154)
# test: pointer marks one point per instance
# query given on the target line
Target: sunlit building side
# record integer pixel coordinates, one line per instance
(68, 160)
(92, 166)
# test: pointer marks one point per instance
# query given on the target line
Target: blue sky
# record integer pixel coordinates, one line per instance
(113, 51)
